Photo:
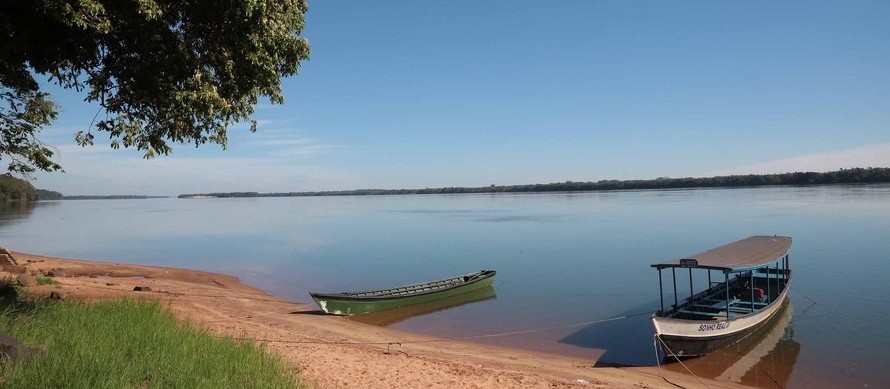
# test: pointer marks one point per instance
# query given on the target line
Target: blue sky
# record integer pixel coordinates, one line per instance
(409, 94)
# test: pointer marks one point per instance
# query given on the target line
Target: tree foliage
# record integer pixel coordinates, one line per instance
(16, 189)
(161, 71)
(44, 194)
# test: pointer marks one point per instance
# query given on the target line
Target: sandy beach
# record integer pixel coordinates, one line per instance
(335, 352)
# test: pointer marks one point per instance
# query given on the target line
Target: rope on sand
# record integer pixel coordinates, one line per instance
(658, 362)
(473, 337)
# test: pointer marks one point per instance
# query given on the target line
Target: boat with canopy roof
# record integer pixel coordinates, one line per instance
(755, 281)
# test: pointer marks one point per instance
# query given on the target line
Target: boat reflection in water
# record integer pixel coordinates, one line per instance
(392, 316)
(764, 359)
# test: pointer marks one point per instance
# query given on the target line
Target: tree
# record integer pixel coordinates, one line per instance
(161, 71)
(15, 189)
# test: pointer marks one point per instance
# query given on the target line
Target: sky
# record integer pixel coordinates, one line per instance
(417, 94)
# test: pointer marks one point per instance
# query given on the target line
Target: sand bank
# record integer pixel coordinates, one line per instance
(335, 352)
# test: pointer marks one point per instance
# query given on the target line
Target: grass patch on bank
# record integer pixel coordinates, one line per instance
(129, 344)
(46, 281)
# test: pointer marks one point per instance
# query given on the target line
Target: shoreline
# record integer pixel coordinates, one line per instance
(331, 351)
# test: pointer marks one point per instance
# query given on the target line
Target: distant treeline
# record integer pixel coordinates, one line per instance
(43, 194)
(112, 197)
(226, 194)
(17, 189)
(843, 176)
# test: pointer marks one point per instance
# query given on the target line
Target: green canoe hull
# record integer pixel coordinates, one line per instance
(353, 306)
(392, 316)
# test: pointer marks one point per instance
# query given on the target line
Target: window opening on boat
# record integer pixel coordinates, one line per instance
(660, 290)
(751, 288)
(778, 288)
(726, 282)
(709, 279)
(786, 263)
(674, 272)
(767, 282)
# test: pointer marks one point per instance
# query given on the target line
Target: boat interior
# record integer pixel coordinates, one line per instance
(426, 287)
(749, 292)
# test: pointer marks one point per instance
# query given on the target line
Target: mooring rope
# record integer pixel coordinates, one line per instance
(658, 361)
(448, 339)
(805, 296)
(807, 309)
(678, 360)
(172, 295)
(553, 328)
(771, 378)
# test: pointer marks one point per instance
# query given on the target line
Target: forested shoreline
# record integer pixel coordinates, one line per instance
(16, 189)
(843, 176)
(110, 197)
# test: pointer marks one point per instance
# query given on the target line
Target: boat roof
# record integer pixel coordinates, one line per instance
(745, 254)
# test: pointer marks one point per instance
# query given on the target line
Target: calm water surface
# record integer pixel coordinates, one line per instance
(561, 259)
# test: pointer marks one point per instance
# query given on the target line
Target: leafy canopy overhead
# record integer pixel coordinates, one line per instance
(162, 71)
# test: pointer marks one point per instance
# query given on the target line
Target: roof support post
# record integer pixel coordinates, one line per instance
(726, 282)
(782, 278)
(660, 290)
(767, 281)
(690, 284)
(674, 272)
(751, 286)
(787, 266)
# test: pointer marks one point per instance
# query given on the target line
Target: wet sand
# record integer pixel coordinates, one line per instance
(335, 352)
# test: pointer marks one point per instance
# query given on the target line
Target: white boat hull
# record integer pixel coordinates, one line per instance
(687, 338)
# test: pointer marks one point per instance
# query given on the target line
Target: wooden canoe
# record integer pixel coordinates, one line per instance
(353, 303)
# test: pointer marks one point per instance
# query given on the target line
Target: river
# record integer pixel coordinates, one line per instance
(564, 262)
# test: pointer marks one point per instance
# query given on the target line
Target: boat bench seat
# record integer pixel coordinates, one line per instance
(716, 304)
(771, 276)
(710, 314)
(746, 304)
